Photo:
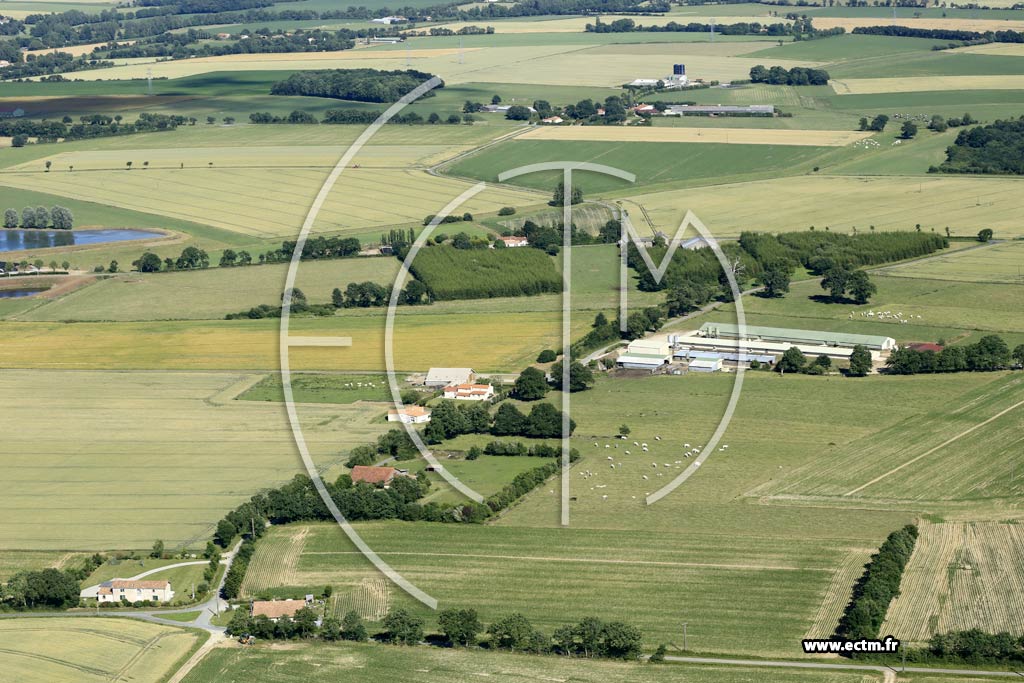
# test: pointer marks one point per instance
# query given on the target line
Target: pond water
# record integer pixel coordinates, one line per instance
(18, 293)
(18, 239)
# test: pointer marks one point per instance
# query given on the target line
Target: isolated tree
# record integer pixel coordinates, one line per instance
(863, 123)
(402, 627)
(581, 377)
(19, 141)
(113, 266)
(860, 361)
(860, 286)
(210, 120)
(513, 632)
(909, 130)
(11, 218)
(985, 234)
(65, 265)
(496, 99)
(147, 263)
(531, 385)
(835, 282)
(158, 549)
(878, 123)
(793, 360)
(547, 356)
(53, 266)
(460, 626)
(129, 165)
(558, 196)
(433, 118)
(229, 120)
(1018, 354)
(775, 279)
(352, 627)
(624, 430)
(48, 165)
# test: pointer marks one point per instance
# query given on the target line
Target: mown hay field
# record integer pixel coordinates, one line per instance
(14, 561)
(995, 263)
(738, 136)
(370, 663)
(1003, 49)
(732, 586)
(962, 575)
(549, 64)
(488, 340)
(578, 24)
(842, 203)
(185, 452)
(875, 86)
(91, 650)
(271, 201)
(968, 450)
(208, 294)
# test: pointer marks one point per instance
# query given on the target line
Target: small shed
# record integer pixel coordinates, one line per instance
(706, 365)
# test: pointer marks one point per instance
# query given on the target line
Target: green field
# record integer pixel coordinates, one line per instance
(14, 561)
(651, 162)
(322, 389)
(965, 204)
(205, 295)
(996, 263)
(192, 453)
(91, 650)
(369, 663)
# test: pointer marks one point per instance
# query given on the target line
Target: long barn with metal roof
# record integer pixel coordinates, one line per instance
(784, 335)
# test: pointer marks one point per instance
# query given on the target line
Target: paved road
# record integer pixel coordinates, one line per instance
(837, 666)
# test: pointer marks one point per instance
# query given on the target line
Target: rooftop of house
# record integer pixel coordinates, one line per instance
(373, 475)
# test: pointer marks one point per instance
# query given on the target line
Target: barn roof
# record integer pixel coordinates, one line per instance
(373, 475)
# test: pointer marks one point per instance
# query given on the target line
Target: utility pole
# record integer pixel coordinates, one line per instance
(684, 637)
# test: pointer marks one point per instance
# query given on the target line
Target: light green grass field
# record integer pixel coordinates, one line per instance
(997, 263)
(947, 309)
(964, 204)
(367, 663)
(208, 294)
(90, 650)
(652, 162)
(969, 449)
(189, 451)
(14, 561)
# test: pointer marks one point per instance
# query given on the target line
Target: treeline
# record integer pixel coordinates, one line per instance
(987, 354)
(943, 34)
(198, 44)
(541, 7)
(450, 419)
(974, 646)
(299, 307)
(876, 588)
(738, 29)
(798, 75)
(94, 126)
(589, 637)
(819, 251)
(50, 64)
(997, 148)
(361, 85)
(47, 588)
(350, 116)
(191, 258)
(520, 449)
(451, 273)
(58, 218)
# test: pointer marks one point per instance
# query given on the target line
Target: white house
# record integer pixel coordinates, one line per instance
(410, 415)
(119, 590)
(553, 120)
(442, 377)
(514, 241)
(469, 392)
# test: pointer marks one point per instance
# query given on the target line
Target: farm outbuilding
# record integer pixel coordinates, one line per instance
(784, 335)
(409, 415)
(756, 347)
(649, 347)
(705, 365)
(442, 377)
(641, 361)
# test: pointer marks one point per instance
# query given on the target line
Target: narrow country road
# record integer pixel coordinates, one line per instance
(837, 666)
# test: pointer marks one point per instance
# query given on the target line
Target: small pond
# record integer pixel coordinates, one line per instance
(19, 239)
(18, 293)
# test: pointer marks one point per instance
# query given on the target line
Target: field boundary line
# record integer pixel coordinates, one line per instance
(932, 450)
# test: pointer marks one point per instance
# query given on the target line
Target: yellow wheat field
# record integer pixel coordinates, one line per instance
(90, 650)
(1003, 49)
(578, 24)
(980, 25)
(739, 136)
(874, 86)
(961, 576)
